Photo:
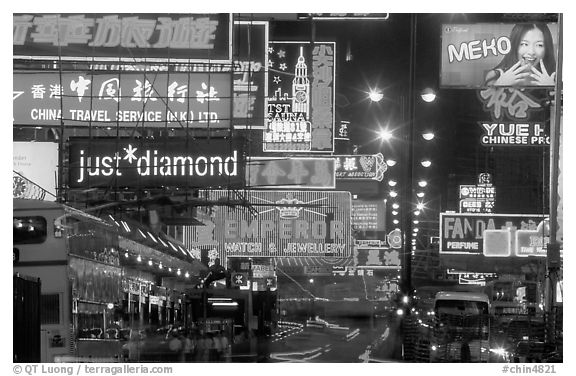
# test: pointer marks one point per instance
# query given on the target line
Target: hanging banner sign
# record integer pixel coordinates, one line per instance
(377, 258)
(301, 97)
(493, 235)
(513, 134)
(106, 162)
(283, 223)
(480, 55)
(294, 172)
(147, 37)
(187, 100)
(360, 167)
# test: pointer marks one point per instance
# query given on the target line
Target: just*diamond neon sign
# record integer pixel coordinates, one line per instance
(156, 163)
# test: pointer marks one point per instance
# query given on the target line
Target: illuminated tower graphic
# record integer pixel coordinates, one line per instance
(301, 87)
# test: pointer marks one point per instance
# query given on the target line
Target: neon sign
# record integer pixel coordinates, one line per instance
(195, 100)
(521, 134)
(301, 97)
(128, 37)
(146, 163)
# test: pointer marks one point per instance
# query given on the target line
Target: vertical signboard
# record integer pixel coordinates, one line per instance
(301, 97)
(35, 164)
(250, 74)
(283, 223)
(145, 37)
(478, 198)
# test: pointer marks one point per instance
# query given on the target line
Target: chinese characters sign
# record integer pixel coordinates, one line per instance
(127, 37)
(493, 235)
(284, 223)
(360, 167)
(478, 198)
(469, 51)
(291, 173)
(155, 163)
(377, 257)
(194, 100)
(368, 215)
(511, 103)
(521, 134)
(301, 97)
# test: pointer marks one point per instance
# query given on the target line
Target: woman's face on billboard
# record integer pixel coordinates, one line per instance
(531, 49)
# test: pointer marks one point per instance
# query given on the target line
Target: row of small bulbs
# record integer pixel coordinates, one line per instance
(160, 266)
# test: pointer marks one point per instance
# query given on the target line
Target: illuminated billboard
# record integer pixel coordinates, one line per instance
(513, 134)
(143, 37)
(141, 163)
(360, 167)
(493, 235)
(283, 223)
(300, 97)
(293, 172)
(377, 257)
(126, 99)
(485, 54)
(369, 215)
(479, 198)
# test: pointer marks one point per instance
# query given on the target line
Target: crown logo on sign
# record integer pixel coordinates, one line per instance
(289, 208)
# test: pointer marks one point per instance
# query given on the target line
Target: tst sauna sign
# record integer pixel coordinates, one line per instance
(155, 163)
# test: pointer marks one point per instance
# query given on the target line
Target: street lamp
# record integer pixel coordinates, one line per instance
(375, 95)
(428, 95)
(428, 136)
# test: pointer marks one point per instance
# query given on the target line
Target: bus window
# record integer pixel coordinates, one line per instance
(461, 307)
(29, 230)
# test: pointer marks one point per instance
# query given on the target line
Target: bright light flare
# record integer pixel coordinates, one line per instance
(375, 95)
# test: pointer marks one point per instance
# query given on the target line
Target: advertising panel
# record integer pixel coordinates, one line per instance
(37, 163)
(486, 54)
(154, 162)
(513, 134)
(126, 99)
(283, 223)
(479, 198)
(294, 172)
(301, 97)
(148, 37)
(369, 215)
(377, 257)
(493, 235)
(360, 167)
